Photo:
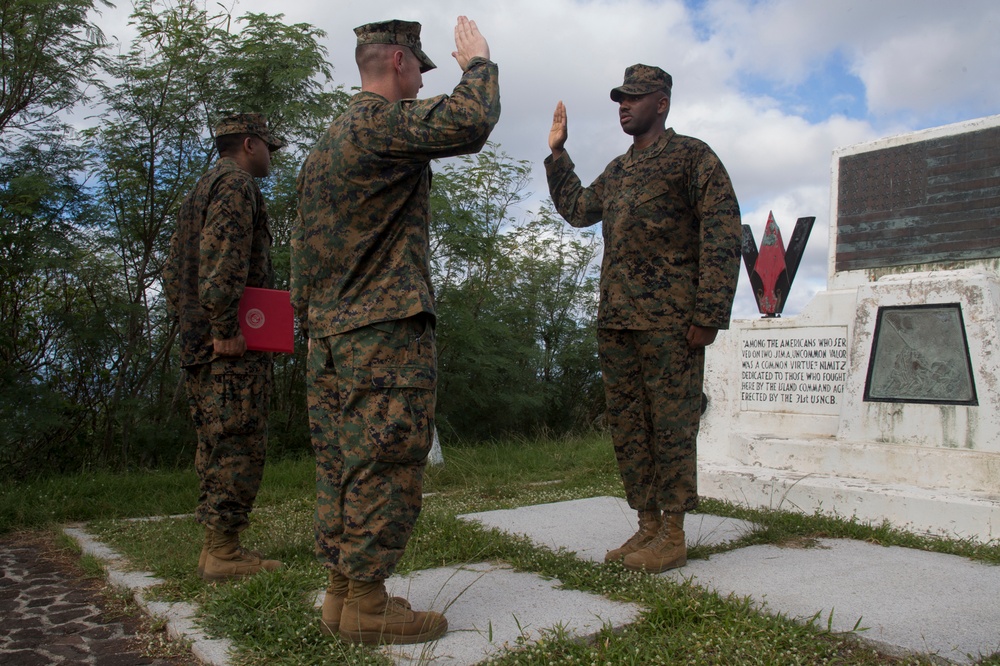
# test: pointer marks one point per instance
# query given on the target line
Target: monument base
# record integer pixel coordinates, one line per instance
(792, 422)
(932, 511)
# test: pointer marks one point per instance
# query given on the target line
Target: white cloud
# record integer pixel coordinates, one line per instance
(943, 64)
(913, 56)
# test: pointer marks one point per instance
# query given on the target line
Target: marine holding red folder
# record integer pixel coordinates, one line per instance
(220, 256)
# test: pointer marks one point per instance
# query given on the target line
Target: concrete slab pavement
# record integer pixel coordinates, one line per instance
(491, 607)
(593, 526)
(906, 600)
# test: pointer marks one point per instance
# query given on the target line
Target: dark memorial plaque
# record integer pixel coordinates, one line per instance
(930, 201)
(920, 354)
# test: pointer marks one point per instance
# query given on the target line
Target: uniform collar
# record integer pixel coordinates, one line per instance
(651, 151)
(230, 163)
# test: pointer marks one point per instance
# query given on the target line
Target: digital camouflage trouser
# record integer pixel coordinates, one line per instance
(653, 384)
(371, 394)
(229, 400)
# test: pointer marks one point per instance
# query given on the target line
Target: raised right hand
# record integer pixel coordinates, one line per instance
(469, 43)
(558, 133)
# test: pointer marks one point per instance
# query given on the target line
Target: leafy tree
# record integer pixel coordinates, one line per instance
(281, 70)
(515, 304)
(48, 52)
(556, 285)
(51, 338)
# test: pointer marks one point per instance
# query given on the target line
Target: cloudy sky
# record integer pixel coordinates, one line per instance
(774, 86)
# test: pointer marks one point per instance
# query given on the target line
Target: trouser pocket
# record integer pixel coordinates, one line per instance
(393, 396)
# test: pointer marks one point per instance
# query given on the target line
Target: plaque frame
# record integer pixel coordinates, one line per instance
(874, 357)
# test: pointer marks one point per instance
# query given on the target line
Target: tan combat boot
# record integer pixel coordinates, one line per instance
(204, 554)
(649, 525)
(226, 558)
(333, 603)
(667, 550)
(371, 616)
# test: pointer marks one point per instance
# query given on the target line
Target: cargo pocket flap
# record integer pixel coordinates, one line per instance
(399, 376)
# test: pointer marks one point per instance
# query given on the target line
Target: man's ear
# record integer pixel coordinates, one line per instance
(397, 61)
(663, 106)
(249, 146)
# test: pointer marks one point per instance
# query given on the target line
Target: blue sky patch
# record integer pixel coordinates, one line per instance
(830, 90)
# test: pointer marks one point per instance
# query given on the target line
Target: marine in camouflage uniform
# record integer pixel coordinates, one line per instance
(361, 288)
(671, 227)
(221, 245)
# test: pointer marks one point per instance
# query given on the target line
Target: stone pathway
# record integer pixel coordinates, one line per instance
(52, 613)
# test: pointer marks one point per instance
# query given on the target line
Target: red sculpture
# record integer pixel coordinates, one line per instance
(772, 268)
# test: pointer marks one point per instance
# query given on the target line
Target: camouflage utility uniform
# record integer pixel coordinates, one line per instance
(671, 227)
(361, 288)
(222, 244)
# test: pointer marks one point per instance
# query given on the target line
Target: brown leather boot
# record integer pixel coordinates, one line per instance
(649, 525)
(371, 616)
(667, 550)
(204, 554)
(333, 603)
(226, 558)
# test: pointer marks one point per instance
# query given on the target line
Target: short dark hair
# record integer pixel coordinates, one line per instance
(228, 144)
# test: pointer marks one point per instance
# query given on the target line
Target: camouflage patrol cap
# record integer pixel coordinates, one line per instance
(402, 33)
(248, 123)
(642, 80)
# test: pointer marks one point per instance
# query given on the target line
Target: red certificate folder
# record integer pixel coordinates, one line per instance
(266, 320)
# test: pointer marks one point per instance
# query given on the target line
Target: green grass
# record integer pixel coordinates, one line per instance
(92, 495)
(101, 494)
(272, 620)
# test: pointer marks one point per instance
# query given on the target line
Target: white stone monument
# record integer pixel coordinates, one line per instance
(881, 399)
